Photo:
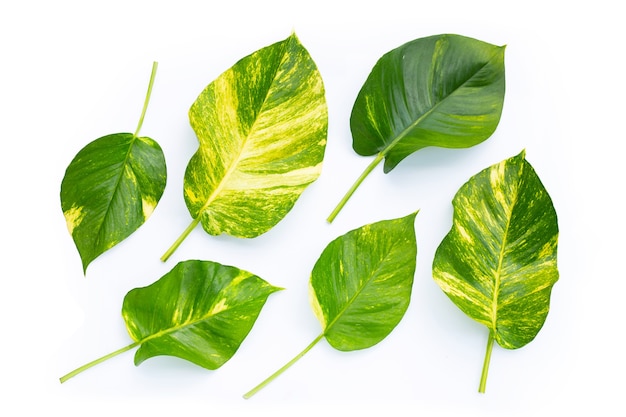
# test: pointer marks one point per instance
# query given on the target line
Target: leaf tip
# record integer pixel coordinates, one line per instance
(85, 265)
(413, 215)
(277, 289)
(293, 36)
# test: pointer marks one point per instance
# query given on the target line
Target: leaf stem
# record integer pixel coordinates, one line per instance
(276, 374)
(148, 94)
(97, 361)
(180, 239)
(483, 377)
(356, 184)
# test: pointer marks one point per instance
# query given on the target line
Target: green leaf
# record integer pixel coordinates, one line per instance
(498, 262)
(111, 187)
(262, 127)
(444, 90)
(200, 311)
(361, 286)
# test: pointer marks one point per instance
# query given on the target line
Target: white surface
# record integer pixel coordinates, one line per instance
(73, 71)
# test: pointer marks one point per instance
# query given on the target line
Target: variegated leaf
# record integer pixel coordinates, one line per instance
(200, 311)
(361, 286)
(262, 127)
(111, 187)
(444, 90)
(498, 263)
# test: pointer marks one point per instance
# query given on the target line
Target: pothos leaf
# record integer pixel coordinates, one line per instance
(361, 286)
(111, 187)
(444, 90)
(200, 311)
(498, 262)
(262, 128)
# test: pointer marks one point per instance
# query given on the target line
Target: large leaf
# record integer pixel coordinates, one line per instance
(110, 188)
(498, 262)
(444, 90)
(361, 286)
(262, 127)
(200, 311)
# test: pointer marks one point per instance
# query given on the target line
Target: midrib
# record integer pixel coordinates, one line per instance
(498, 276)
(117, 185)
(174, 329)
(356, 295)
(235, 162)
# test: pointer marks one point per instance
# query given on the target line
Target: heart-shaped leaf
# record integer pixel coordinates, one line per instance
(111, 188)
(444, 90)
(498, 262)
(200, 311)
(262, 127)
(361, 286)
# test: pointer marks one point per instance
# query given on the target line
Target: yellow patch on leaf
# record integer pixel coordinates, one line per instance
(219, 307)
(73, 217)
(148, 205)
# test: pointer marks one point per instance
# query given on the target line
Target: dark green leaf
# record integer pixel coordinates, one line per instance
(444, 90)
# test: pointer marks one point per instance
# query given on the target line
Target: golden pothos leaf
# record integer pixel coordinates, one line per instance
(498, 262)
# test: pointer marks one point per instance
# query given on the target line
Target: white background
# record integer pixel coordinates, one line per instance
(71, 72)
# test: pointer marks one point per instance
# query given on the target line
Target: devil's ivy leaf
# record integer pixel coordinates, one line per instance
(200, 311)
(498, 262)
(262, 128)
(444, 90)
(361, 286)
(111, 187)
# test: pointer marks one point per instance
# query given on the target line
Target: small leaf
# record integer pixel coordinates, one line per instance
(262, 127)
(444, 90)
(111, 187)
(498, 262)
(361, 286)
(200, 311)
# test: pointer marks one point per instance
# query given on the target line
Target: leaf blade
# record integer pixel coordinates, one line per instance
(503, 243)
(498, 262)
(262, 139)
(360, 302)
(200, 311)
(358, 306)
(110, 189)
(443, 90)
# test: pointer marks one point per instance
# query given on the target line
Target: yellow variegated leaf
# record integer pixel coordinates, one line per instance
(498, 262)
(262, 128)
